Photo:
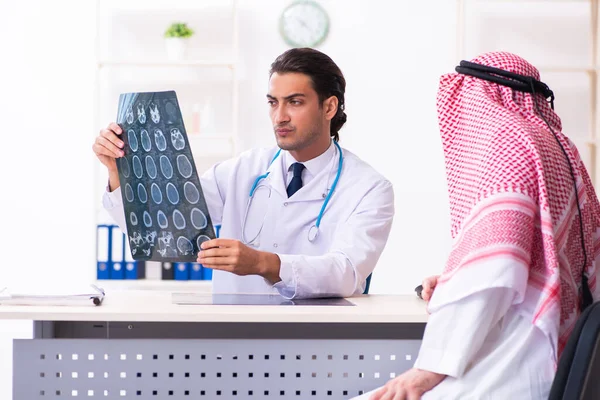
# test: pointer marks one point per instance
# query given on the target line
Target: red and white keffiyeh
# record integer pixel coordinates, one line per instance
(512, 199)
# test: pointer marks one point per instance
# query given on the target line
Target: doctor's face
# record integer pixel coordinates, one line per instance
(298, 119)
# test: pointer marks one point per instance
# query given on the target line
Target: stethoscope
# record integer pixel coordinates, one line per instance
(313, 232)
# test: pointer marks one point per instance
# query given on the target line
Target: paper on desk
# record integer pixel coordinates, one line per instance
(52, 296)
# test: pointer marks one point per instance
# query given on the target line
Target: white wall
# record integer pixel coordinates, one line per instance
(391, 53)
(47, 81)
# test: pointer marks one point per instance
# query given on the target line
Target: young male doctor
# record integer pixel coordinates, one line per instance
(303, 219)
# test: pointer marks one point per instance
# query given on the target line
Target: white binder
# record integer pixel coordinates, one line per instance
(92, 297)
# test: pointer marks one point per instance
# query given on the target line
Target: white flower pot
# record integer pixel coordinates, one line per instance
(176, 48)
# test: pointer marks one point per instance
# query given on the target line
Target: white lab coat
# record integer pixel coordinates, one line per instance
(354, 229)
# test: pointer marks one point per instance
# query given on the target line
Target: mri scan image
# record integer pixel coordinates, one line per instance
(168, 218)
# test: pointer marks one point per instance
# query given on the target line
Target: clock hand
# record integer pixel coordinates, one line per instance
(302, 22)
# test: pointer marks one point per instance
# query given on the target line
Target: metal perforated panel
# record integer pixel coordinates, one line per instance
(206, 368)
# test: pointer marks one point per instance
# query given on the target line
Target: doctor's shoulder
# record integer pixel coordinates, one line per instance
(248, 163)
(362, 171)
(365, 189)
(257, 159)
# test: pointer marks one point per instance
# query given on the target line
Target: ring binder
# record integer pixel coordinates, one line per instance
(56, 299)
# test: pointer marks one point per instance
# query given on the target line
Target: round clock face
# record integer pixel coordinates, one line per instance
(304, 24)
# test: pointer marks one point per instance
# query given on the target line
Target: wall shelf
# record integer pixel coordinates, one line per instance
(162, 63)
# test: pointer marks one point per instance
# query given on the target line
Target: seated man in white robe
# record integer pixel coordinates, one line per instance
(524, 223)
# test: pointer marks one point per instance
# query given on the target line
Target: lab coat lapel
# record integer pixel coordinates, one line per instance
(276, 178)
(315, 190)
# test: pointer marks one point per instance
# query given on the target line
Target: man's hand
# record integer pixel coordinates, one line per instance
(411, 385)
(234, 256)
(429, 285)
(108, 147)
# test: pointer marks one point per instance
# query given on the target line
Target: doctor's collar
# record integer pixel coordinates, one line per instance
(314, 165)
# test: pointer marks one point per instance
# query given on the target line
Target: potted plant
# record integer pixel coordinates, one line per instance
(176, 39)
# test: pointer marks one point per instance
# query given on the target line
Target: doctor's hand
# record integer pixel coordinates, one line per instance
(235, 257)
(411, 385)
(429, 285)
(108, 147)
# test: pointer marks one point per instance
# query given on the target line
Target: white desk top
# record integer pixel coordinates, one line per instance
(157, 306)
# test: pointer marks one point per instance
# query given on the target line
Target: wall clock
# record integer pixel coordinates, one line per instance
(304, 23)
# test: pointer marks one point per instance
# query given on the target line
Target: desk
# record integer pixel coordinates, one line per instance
(139, 345)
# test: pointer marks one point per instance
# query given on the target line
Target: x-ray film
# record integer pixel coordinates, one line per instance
(166, 213)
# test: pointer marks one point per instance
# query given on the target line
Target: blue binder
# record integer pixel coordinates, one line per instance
(133, 269)
(103, 233)
(117, 247)
(195, 271)
(181, 271)
(207, 274)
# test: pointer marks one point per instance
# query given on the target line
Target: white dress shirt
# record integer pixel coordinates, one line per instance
(312, 167)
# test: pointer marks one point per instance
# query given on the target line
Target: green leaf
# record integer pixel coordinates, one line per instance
(179, 30)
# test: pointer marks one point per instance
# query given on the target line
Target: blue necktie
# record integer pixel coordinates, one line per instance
(296, 182)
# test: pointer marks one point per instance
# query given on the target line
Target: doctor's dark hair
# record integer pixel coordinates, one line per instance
(327, 78)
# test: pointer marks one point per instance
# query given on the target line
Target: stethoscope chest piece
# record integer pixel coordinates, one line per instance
(313, 233)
